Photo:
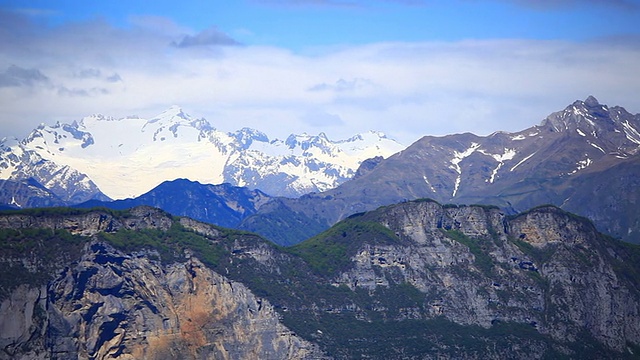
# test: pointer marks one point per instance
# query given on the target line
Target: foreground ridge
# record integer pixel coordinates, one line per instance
(411, 280)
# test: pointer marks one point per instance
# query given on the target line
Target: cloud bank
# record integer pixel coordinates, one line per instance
(406, 90)
(15, 76)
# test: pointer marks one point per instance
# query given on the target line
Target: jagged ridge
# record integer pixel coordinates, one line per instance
(581, 159)
(410, 280)
(154, 150)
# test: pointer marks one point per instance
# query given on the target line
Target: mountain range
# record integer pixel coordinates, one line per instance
(100, 157)
(389, 264)
(583, 159)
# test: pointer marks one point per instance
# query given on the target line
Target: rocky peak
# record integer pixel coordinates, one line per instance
(591, 101)
(612, 129)
(548, 224)
(246, 136)
(96, 117)
(369, 135)
(172, 115)
(173, 118)
(306, 141)
(586, 116)
(367, 165)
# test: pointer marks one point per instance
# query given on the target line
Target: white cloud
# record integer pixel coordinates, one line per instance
(404, 89)
(322, 119)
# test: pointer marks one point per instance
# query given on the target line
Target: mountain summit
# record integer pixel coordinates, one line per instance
(611, 129)
(584, 159)
(127, 157)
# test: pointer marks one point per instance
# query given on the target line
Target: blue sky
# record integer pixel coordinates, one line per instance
(408, 68)
(299, 24)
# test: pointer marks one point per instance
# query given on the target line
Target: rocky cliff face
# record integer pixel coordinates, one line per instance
(88, 223)
(110, 304)
(545, 269)
(416, 280)
(115, 306)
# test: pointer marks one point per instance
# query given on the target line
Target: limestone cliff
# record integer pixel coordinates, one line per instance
(416, 280)
(109, 304)
(546, 269)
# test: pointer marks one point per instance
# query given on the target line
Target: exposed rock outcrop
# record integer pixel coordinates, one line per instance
(473, 265)
(89, 223)
(113, 305)
(416, 280)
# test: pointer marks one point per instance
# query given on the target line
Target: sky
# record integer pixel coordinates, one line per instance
(408, 68)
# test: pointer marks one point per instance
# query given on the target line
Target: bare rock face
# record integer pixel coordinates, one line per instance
(22, 334)
(91, 223)
(199, 227)
(112, 305)
(476, 266)
(415, 280)
(109, 304)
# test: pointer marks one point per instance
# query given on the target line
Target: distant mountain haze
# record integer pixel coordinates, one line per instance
(223, 205)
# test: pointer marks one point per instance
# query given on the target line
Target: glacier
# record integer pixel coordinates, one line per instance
(127, 157)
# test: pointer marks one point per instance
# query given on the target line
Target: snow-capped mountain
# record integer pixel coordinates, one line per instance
(303, 163)
(128, 157)
(585, 137)
(19, 162)
(585, 159)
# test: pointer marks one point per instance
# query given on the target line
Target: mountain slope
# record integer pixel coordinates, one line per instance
(412, 280)
(173, 145)
(586, 137)
(222, 205)
(20, 162)
(568, 160)
(27, 193)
